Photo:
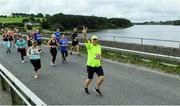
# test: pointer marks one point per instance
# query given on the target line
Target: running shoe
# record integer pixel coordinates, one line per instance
(86, 90)
(98, 92)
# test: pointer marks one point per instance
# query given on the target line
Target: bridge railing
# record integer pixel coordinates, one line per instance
(143, 41)
(20, 94)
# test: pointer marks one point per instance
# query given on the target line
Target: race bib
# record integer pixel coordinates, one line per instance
(21, 47)
(98, 56)
(35, 53)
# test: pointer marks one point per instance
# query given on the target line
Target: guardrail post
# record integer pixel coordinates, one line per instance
(142, 41)
(1, 82)
(4, 84)
(113, 38)
(16, 100)
(136, 58)
(158, 62)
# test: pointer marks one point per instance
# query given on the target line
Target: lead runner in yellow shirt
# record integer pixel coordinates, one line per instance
(93, 62)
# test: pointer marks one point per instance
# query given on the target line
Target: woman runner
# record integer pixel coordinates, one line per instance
(33, 52)
(21, 45)
(6, 42)
(53, 44)
(63, 47)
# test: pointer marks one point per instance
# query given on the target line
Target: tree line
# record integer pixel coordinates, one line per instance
(66, 22)
(27, 15)
(63, 21)
(176, 22)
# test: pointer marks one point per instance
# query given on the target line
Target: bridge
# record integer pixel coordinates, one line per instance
(63, 84)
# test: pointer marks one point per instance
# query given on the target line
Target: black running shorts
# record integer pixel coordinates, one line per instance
(92, 70)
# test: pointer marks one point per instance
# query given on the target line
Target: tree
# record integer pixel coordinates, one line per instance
(45, 24)
(25, 20)
(39, 15)
(47, 15)
(92, 22)
(32, 19)
(177, 22)
(29, 27)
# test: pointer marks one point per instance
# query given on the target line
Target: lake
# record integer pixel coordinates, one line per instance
(162, 32)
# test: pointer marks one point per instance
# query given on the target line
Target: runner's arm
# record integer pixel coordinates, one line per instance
(28, 52)
(48, 44)
(84, 34)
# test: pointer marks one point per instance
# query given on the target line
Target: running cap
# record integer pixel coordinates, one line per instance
(94, 37)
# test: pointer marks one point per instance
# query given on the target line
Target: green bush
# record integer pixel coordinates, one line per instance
(29, 27)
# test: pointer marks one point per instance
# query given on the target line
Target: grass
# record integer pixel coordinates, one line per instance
(11, 20)
(14, 20)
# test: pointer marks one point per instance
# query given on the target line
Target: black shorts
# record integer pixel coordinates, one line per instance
(22, 51)
(91, 70)
(74, 43)
(11, 39)
(29, 43)
(36, 64)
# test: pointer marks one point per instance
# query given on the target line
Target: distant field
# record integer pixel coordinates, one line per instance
(13, 20)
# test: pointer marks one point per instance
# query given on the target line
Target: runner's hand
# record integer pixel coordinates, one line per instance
(84, 31)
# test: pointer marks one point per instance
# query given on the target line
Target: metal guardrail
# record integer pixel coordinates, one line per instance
(18, 88)
(142, 40)
(142, 54)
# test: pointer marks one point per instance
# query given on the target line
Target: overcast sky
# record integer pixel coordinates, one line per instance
(135, 10)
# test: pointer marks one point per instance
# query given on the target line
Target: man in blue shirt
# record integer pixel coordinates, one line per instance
(58, 35)
(38, 38)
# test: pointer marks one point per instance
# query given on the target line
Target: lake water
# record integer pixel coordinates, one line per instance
(162, 32)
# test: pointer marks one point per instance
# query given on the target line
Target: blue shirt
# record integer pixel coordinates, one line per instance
(64, 44)
(38, 37)
(58, 35)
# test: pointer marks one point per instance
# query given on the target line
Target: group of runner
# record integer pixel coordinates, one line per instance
(31, 42)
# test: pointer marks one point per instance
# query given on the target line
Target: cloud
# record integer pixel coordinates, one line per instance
(135, 10)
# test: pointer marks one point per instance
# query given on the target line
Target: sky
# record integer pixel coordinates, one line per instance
(134, 10)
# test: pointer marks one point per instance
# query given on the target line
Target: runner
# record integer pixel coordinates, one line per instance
(75, 43)
(58, 35)
(21, 45)
(38, 38)
(93, 62)
(28, 39)
(63, 47)
(6, 41)
(11, 33)
(16, 37)
(33, 52)
(53, 44)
